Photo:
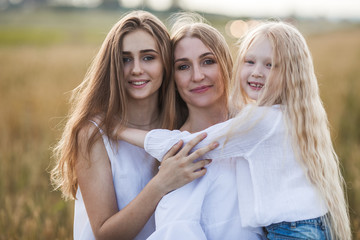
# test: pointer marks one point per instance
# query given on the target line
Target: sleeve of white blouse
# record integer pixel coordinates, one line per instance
(159, 141)
(242, 134)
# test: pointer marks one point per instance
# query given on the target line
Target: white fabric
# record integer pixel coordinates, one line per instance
(206, 208)
(272, 185)
(132, 168)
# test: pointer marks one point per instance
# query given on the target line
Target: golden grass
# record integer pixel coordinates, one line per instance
(33, 84)
(337, 58)
(35, 81)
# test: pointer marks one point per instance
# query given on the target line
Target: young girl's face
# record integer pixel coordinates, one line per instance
(256, 68)
(197, 74)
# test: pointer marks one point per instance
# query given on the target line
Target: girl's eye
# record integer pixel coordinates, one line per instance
(269, 65)
(126, 59)
(182, 67)
(249, 61)
(209, 61)
(148, 58)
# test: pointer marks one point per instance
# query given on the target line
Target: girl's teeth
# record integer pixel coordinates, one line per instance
(138, 83)
(256, 85)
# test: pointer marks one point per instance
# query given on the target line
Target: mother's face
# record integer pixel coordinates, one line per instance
(197, 74)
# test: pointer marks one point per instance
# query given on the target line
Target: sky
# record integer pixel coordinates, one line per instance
(332, 9)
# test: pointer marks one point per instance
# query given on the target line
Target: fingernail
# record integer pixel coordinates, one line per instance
(215, 144)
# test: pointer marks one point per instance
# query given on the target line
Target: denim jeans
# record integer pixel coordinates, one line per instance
(310, 229)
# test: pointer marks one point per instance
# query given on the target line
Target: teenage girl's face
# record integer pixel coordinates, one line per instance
(143, 68)
(256, 68)
(197, 73)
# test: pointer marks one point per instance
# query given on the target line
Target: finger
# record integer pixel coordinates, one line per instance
(174, 149)
(201, 151)
(201, 172)
(200, 164)
(191, 144)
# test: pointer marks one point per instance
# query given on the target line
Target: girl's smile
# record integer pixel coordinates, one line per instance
(256, 68)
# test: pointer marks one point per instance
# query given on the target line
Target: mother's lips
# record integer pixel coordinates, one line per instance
(201, 89)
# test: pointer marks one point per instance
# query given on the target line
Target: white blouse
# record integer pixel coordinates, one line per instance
(271, 184)
(204, 209)
(132, 168)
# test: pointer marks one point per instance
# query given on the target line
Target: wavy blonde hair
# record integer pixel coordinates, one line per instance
(192, 25)
(293, 84)
(102, 93)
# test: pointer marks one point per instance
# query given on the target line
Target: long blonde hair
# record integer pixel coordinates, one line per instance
(102, 93)
(293, 84)
(188, 24)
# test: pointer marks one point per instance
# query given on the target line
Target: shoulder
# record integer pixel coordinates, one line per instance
(87, 131)
(89, 138)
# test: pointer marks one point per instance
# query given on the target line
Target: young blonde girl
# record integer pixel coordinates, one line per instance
(292, 84)
(281, 140)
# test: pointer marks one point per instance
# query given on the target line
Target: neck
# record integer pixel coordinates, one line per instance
(143, 115)
(202, 118)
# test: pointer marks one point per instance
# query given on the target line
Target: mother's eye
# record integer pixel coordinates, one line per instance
(182, 67)
(209, 61)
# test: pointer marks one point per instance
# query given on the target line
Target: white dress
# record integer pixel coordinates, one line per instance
(271, 183)
(132, 168)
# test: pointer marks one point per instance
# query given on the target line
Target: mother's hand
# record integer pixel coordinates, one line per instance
(178, 167)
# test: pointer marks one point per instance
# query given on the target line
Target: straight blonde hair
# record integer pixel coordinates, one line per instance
(293, 84)
(102, 93)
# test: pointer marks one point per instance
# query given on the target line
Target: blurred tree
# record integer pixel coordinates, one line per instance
(175, 4)
(24, 3)
(110, 4)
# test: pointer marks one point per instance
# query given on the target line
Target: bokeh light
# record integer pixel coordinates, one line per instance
(237, 28)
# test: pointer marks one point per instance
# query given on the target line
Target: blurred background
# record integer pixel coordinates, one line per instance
(46, 47)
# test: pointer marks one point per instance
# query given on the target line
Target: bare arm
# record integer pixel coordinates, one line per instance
(133, 136)
(96, 184)
(236, 137)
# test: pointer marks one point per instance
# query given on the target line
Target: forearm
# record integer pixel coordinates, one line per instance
(129, 221)
(133, 136)
(236, 137)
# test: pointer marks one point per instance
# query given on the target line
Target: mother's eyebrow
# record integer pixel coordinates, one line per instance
(206, 54)
(181, 60)
(201, 56)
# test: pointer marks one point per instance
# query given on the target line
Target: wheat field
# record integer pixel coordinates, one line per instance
(45, 54)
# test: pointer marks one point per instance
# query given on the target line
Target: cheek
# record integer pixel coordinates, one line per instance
(180, 80)
(158, 70)
(243, 78)
(267, 74)
(126, 69)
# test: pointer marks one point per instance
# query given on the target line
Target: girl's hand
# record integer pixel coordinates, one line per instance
(178, 167)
